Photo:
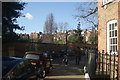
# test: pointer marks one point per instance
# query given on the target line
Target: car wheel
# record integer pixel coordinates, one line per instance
(47, 70)
(43, 74)
(85, 69)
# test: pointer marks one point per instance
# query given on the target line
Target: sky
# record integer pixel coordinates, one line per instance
(36, 13)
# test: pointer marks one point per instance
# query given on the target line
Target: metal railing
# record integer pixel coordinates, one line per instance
(108, 64)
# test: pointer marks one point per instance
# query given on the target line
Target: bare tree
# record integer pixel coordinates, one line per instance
(55, 29)
(46, 27)
(60, 26)
(51, 23)
(49, 26)
(63, 26)
(88, 13)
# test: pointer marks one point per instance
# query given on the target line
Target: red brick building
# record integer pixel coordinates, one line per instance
(109, 27)
(86, 34)
(23, 36)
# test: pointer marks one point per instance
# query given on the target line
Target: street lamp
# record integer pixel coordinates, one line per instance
(66, 40)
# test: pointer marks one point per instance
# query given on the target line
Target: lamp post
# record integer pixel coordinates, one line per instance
(66, 40)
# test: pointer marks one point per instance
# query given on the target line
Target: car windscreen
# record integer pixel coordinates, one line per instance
(32, 56)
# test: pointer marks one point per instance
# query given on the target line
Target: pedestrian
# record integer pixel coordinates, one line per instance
(78, 56)
(65, 59)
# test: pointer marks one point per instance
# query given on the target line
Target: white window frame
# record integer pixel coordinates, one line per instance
(107, 1)
(111, 44)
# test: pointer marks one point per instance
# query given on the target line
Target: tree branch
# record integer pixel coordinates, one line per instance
(90, 12)
(95, 25)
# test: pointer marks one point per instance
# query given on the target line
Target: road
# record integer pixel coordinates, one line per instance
(70, 72)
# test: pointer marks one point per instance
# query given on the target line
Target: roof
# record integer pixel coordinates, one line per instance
(32, 52)
(7, 58)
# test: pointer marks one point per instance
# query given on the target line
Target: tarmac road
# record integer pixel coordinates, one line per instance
(71, 71)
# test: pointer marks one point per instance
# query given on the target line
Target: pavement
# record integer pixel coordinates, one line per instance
(71, 71)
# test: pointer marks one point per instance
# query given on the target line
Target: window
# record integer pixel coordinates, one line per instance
(32, 56)
(112, 44)
(22, 68)
(107, 1)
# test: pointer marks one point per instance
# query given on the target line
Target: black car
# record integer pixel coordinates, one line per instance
(71, 52)
(68, 52)
(17, 69)
(53, 53)
(48, 59)
(40, 61)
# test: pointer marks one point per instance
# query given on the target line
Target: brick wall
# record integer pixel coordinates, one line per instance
(105, 14)
(119, 40)
(111, 12)
(19, 49)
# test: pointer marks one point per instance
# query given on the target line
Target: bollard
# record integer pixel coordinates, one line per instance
(110, 62)
(99, 63)
(106, 63)
(102, 62)
(114, 68)
(92, 65)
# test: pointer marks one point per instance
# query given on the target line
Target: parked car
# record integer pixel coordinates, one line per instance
(48, 59)
(69, 52)
(62, 52)
(17, 69)
(53, 53)
(40, 62)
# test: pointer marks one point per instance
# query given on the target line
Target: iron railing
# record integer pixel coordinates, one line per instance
(108, 65)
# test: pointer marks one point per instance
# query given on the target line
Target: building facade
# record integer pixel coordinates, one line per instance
(30, 36)
(24, 36)
(86, 34)
(109, 27)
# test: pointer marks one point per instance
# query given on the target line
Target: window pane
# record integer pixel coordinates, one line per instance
(110, 41)
(109, 26)
(115, 32)
(104, 1)
(114, 48)
(113, 40)
(113, 26)
(112, 33)
(110, 47)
